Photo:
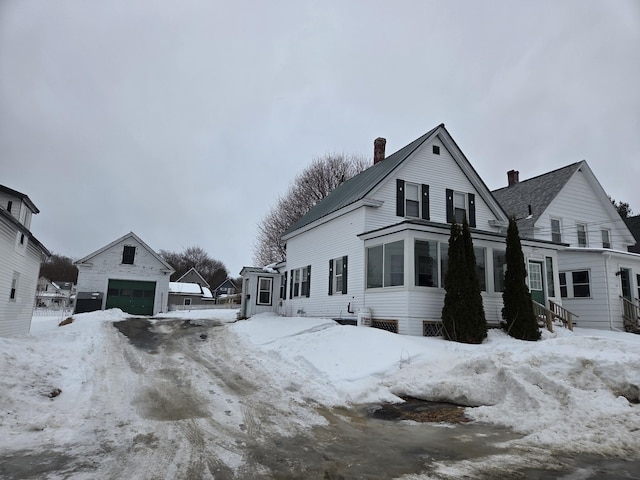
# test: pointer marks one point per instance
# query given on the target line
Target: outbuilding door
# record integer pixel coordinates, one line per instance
(131, 296)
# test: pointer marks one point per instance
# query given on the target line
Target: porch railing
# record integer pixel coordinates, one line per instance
(546, 316)
(543, 314)
(630, 314)
(562, 314)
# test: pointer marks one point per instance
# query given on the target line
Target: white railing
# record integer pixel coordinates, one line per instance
(52, 311)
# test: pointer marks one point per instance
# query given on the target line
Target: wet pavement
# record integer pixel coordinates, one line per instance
(368, 442)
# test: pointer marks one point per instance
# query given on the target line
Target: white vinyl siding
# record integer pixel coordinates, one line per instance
(578, 203)
(94, 276)
(602, 309)
(440, 172)
(18, 270)
(316, 247)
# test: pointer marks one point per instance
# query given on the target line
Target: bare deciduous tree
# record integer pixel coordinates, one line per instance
(59, 268)
(213, 271)
(308, 188)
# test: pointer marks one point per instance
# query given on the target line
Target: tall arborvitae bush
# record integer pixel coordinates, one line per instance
(463, 317)
(519, 319)
(477, 322)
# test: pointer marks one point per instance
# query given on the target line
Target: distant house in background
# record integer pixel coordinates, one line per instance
(227, 292)
(184, 295)
(193, 276)
(20, 257)
(125, 274)
(599, 279)
(54, 294)
(633, 224)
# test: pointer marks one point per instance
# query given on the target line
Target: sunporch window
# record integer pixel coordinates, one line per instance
(385, 265)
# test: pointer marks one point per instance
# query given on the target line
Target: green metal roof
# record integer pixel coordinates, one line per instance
(356, 188)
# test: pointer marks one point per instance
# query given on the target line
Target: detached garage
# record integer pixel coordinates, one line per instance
(125, 274)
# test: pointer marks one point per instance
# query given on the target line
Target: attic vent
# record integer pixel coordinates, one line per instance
(436, 150)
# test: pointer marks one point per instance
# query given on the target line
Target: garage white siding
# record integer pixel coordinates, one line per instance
(95, 270)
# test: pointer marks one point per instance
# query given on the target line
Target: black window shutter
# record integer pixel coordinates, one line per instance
(344, 274)
(425, 202)
(330, 277)
(308, 292)
(291, 284)
(472, 209)
(284, 288)
(450, 215)
(400, 198)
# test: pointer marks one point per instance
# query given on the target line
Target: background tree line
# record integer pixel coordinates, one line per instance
(61, 269)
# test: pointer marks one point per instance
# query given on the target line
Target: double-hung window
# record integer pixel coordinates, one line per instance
(606, 238)
(300, 282)
(385, 265)
(265, 285)
(412, 200)
(581, 286)
(338, 275)
(556, 234)
(581, 230)
(14, 286)
(459, 206)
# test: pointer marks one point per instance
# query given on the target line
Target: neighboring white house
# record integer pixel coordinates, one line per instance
(599, 277)
(377, 245)
(54, 294)
(125, 274)
(20, 257)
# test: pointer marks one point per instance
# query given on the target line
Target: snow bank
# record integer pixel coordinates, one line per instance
(577, 392)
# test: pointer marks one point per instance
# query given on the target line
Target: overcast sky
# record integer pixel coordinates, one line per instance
(183, 121)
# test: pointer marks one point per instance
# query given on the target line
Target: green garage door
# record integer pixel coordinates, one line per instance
(131, 296)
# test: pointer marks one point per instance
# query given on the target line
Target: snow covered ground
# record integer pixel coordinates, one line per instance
(204, 390)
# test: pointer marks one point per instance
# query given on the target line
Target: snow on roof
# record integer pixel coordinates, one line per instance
(207, 293)
(185, 288)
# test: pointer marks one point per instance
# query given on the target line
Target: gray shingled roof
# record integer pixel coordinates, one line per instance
(633, 224)
(356, 188)
(537, 192)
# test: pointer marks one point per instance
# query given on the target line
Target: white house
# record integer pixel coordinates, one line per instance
(378, 243)
(20, 257)
(125, 274)
(599, 278)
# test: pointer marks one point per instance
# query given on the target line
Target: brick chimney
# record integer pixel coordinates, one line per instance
(378, 149)
(513, 176)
